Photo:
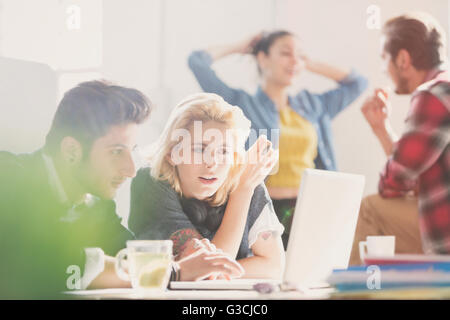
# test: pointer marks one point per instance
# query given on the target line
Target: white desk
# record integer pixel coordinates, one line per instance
(313, 294)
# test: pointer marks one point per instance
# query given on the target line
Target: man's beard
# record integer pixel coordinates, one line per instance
(402, 86)
(84, 178)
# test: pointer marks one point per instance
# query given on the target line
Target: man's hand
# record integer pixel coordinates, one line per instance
(376, 110)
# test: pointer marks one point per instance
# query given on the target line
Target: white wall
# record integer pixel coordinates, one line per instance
(145, 44)
(48, 57)
(336, 32)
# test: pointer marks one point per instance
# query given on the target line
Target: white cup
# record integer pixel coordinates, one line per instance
(377, 246)
(149, 264)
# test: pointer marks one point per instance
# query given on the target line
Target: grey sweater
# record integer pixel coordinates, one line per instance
(157, 212)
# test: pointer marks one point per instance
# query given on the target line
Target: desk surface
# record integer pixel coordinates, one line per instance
(202, 294)
(313, 294)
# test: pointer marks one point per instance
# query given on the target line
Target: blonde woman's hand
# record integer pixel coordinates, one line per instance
(211, 248)
(206, 264)
(195, 244)
(259, 161)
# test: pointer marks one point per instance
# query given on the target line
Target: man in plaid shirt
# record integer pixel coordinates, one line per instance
(419, 162)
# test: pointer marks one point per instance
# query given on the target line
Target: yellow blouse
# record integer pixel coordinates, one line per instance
(297, 147)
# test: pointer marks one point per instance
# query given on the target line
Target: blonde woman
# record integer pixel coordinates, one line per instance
(201, 183)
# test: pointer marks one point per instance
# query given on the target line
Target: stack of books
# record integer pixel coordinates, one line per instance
(396, 274)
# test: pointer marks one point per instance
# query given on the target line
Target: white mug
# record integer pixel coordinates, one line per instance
(377, 246)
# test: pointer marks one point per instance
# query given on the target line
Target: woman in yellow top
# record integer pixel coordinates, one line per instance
(303, 119)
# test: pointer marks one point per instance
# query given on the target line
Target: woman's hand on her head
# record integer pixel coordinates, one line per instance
(259, 162)
(246, 45)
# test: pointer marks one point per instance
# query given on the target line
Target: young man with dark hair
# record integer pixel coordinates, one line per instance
(414, 189)
(57, 207)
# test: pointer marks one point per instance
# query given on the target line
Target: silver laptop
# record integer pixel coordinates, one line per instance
(321, 234)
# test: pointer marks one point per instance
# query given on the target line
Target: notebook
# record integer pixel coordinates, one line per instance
(405, 259)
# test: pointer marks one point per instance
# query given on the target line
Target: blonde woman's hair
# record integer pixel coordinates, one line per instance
(202, 107)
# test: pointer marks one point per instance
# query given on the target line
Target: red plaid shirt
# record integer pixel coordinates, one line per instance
(421, 162)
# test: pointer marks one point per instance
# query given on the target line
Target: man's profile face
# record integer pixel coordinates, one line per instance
(393, 71)
(110, 161)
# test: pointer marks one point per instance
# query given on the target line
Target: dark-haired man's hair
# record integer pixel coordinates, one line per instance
(420, 35)
(88, 111)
